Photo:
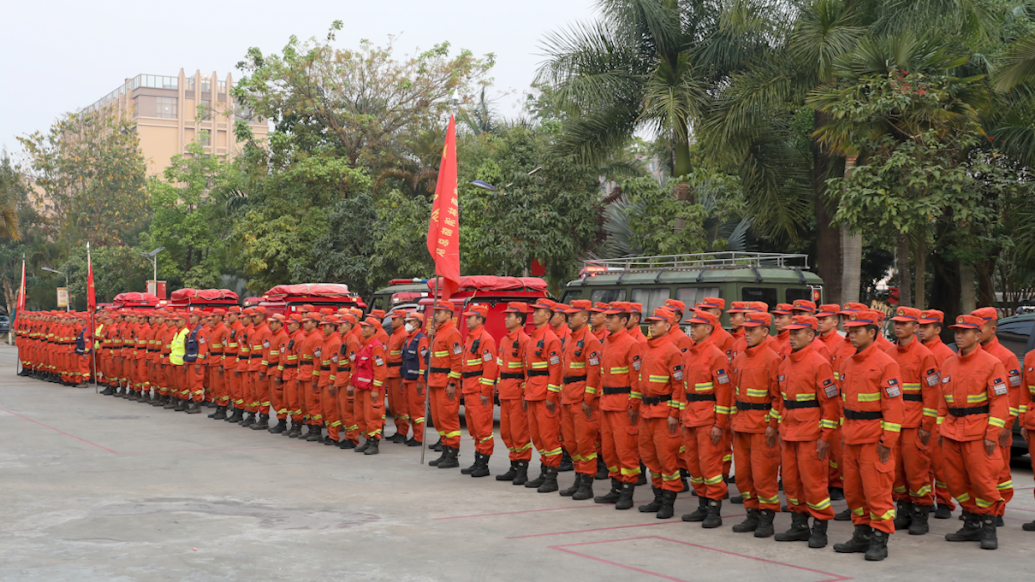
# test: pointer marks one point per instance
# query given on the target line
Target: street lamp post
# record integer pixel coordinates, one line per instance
(153, 258)
(66, 283)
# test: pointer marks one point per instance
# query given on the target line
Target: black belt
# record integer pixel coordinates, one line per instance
(533, 373)
(512, 376)
(609, 390)
(792, 404)
(286, 366)
(856, 415)
(439, 370)
(473, 374)
(213, 353)
(753, 405)
(395, 364)
(656, 399)
(700, 398)
(574, 379)
(152, 351)
(958, 412)
(912, 397)
(325, 368)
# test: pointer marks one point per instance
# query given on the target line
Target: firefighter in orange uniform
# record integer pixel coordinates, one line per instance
(720, 337)
(580, 423)
(347, 433)
(511, 391)
(259, 339)
(1027, 410)
(244, 358)
(871, 389)
(755, 388)
(195, 362)
(706, 401)
(368, 384)
(990, 343)
(542, 394)
(275, 358)
(479, 386)
(914, 491)
(781, 318)
(414, 367)
(290, 360)
(444, 375)
(394, 387)
(559, 321)
(661, 373)
(230, 351)
(598, 320)
(619, 433)
(682, 341)
(930, 331)
(838, 355)
(972, 414)
(808, 414)
(635, 311)
(330, 357)
(309, 375)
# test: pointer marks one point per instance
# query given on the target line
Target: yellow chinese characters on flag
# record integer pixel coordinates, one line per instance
(444, 228)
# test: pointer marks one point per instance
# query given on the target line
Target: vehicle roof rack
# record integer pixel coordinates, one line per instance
(721, 260)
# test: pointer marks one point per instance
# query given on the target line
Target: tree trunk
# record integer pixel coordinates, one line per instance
(851, 252)
(905, 290)
(945, 294)
(968, 292)
(828, 237)
(921, 271)
(681, 167)
(986, 289)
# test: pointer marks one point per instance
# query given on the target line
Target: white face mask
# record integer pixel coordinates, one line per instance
(410, 327)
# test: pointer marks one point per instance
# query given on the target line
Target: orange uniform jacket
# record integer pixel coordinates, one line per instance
(543, 365)
(447, 353)
(723, 340)
(580, 369)
(808, 405)
(511, 364)
(380, 367)
(619, 372)
(1013, 372)
(396, 341)
(833, 342)
(259, 342)
(308, 354)
(706, 395)
(660, 376)
(480, 368)
(563, 333)
(231, 346)
(244, 347)
(871, 391)
(920, 384)
(1028, 392)
(756, 389)
(277, 353)
(941, 351)
(346, 361)
(217, 339)
(330, 355)
(974, 403)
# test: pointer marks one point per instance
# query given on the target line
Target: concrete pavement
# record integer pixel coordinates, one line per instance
(98, 488)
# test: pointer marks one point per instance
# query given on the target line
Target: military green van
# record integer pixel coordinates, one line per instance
(734, 276)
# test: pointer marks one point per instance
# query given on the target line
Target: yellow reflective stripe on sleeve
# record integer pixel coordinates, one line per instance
(486, 381)
(620, 370)
(474, 362)
(513, 365)
(539, 365)
(974, 398)
(553, 388)
(874, 397)
(442, 354)
(827, 424)
(890, 426)
(454, 375)
(930, 412)
(654, 378)
(577, 366)
(997, 422)
(806, 397)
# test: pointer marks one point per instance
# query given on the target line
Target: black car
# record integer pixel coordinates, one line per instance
(5, 324)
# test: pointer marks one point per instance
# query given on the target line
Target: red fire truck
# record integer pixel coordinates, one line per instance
(286, 299)
(495, 292)
(134, 300)
(202, 299)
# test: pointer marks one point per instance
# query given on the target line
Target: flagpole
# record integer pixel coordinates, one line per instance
(427, 389)
(93, 328)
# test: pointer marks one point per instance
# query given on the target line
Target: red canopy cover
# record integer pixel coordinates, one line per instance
(310, 290)
(205, 294)
(135, 297)
(493, 283)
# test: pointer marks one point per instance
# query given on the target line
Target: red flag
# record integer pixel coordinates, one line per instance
(21, 294)
(91, 296)
(444, 228)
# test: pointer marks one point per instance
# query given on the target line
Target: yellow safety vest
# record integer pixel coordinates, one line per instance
(97, 334)
(178, 347)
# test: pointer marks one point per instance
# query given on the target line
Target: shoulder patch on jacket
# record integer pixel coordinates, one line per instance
(379, 361)
(722, 377)
(457, 348)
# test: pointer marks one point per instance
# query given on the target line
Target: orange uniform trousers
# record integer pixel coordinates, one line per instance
(836, 457)
(972, 475)
(659, 450)
(581, 435)
(145, 383)
(545, 429)
(397, 402)
(804, 480)
(941, 489)
(217, 381)
(446, 415)
(620, 441)
(347, 413)
(415, 405)
(313, 404)
(758, 468)
(913, 468)
(1005, 485)
(479, 423)
(196, 378)
(372, 405)
(294, 409)
(278, 397)
(514, 430)
(261, 390)
(329, 409)
(868, 484)
(704, 462)
(236, 387)
(728, 450)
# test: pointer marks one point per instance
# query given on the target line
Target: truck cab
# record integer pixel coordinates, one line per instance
(399, 293)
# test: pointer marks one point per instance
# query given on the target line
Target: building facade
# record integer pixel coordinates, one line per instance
(170, 113)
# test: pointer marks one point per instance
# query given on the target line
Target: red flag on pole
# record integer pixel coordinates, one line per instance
(444, 228)
(91, 296)
(21, 293)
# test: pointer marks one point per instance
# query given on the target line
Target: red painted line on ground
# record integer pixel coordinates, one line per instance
(207, 450)
(563, 548)
(594, 506)
(560, 533)
(58, 430)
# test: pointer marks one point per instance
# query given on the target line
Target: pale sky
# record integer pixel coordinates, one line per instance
(61, 55)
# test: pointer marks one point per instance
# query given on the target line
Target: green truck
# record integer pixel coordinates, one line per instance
(734, 276)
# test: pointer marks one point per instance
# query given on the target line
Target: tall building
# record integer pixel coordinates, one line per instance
(170, 113)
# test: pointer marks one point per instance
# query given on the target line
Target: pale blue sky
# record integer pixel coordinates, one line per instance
(60, 55)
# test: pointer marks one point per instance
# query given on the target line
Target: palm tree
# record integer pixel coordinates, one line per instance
(12, 188)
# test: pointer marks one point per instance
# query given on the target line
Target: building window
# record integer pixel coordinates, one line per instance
(206, 137)
(167, 107)
(206, 85)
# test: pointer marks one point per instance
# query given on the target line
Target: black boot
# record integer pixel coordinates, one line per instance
(452, 458)
(535, 483)
(170, 403)
(397, 438)
(903, 515)
(700, 513)
(625, 498)
(181, 405)
(765, 523)
(442, 457)
(613, 495)
(549, 484)
(296, 429)
(437, 447)
(566, 463)
(520, 473)
(481, 469)
(220, 413)
(918, 526)
(970, 532)
(194, 408)
(653, 506)
(281, 426)
(510, 474)
(668, 502)
(999, 521)
(682, 479)
(845, 515)
(943, 512)
(878, 549)
(602, 472)
(989, 541)
(574, 486)
(1030, 526)
(363, 447)
(469, 470)
(373, 448)
(263, 423)
(641, 479)
(859, 543)
(837, 494)
(737, 500)
(799, 531)
(713, 519)
(158, 400)
(249, 420)
(215, 412)
(585, 489)
(347, 445)
(818, 539)
(749, 524)
(413, 442)
(315, 433)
